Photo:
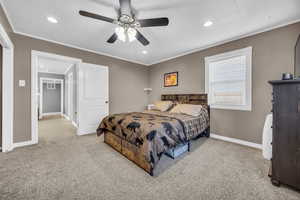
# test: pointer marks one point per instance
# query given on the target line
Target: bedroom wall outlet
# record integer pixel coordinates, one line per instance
(22, 83)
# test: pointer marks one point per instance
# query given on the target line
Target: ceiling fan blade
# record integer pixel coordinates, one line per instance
(113, 38)
(141, 38)
(95, 16)
(164, 21)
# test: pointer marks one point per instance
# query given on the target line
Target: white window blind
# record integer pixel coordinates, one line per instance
(228, 80)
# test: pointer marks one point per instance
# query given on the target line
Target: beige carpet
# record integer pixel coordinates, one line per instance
(65, 166)
(54, 129)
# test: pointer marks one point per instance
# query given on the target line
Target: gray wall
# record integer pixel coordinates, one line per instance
(124, 95)
(51, 98)
(273, 54)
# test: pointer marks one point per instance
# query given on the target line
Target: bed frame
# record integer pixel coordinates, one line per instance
(131, 152)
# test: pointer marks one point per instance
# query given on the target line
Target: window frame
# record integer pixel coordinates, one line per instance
(219, 57)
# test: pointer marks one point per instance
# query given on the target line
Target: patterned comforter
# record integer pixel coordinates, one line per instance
(155, 132)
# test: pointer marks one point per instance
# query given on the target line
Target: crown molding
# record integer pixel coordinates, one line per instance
(155, 62)
(7, 16)
(79, 48)
(225, 41)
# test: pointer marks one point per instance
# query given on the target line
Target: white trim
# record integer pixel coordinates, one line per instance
(68, 69)
(227, 55)
(23, 144)
(236, 141)
(7, 90)
(172, 57)
(74, 124)
(65, 116)
(7, 16)
(56, 57)
(70, 96)
(52, 79)
(50, 73)
(80, 48)
(263, 30)
(34, 85)
(52, 113)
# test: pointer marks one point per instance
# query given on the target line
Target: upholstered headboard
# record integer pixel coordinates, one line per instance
(197, 99)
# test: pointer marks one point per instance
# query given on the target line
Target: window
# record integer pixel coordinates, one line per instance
(228, 80)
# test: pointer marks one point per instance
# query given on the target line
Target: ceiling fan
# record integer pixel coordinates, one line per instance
(128, 24)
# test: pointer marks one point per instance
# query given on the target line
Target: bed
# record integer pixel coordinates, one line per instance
(143, 137)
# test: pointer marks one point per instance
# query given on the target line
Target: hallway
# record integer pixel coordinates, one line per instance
(55, 129)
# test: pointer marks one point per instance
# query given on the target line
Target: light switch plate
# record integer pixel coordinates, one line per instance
(22, 83)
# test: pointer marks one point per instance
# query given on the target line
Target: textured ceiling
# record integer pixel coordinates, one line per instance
(185, 33)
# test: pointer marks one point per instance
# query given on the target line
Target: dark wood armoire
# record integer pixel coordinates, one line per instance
(285, 166)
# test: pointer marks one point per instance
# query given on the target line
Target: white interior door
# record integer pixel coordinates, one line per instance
(92, 97)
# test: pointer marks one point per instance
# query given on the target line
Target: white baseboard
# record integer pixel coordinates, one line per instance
(51, 113)
(68, 118)
(74, 124)
(236, 141)
(23, 144)
(65, 116)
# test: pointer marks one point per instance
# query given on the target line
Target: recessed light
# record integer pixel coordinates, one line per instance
(52, 20)
(208, 23)
(144, 52)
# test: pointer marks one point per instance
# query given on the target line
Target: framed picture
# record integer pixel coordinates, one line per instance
(171, 79)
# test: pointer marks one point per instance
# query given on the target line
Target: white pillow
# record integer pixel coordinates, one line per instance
(189, 109)
(163, 105)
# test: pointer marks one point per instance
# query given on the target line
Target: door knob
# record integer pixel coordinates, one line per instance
(106, 101)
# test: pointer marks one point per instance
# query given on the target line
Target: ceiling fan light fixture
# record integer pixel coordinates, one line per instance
(128, 23)
(52, 20)
(131, 32)
(120, 31)
(208, 23)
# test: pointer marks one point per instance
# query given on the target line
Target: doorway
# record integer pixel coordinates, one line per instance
(51, 111)
(51, 95)
(85, 96)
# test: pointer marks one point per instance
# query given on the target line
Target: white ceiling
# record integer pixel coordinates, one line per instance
(185, 33)
(52, 66)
